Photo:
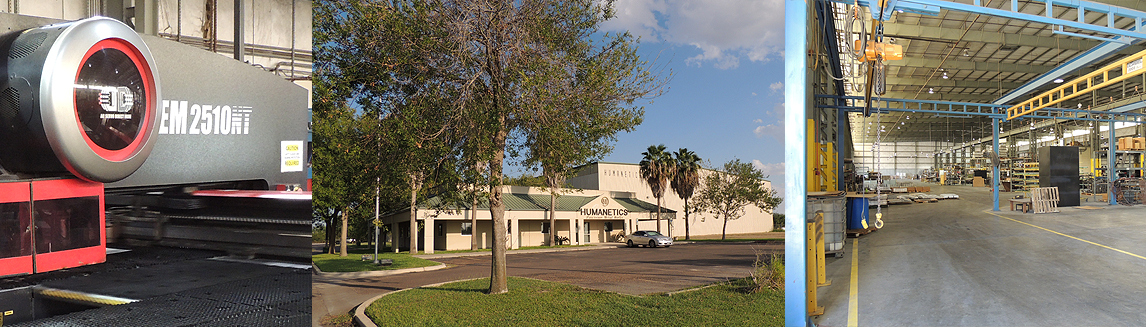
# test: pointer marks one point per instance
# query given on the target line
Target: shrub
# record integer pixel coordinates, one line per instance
(767, 272)
(318, 235)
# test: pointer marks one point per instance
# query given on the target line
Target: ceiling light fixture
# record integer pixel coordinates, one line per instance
(945, 75)
(1058, 81)
(930, 91)
(965, 53)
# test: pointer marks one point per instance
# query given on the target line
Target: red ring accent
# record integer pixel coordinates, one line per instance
(148, 88)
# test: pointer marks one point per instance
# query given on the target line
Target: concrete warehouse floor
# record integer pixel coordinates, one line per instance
(957, 263)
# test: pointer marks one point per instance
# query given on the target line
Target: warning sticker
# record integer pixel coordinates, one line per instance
(1133, 66)
(291, 156)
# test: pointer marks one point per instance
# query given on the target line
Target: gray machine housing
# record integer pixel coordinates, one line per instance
(219, 120)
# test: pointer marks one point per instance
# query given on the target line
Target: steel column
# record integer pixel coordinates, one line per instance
(796, 94)
(995, 170)
(240, 44)
(841, 121)
(1111, 174)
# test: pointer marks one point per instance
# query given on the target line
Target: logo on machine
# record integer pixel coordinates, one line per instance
(116, 102)
(182, 117)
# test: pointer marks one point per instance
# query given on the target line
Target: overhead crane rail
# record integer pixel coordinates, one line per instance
(1122, 69)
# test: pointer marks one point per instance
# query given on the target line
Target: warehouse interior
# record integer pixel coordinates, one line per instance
(965, 163)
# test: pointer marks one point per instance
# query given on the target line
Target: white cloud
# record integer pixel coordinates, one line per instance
(753, 93)
(778, 110)
(776, 86)
(758, 121)
(637, 17)
(723, 30)
(776, 131)
(770, 169)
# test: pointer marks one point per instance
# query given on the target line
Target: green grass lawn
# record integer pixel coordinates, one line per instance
(353, 262)
(539, 303)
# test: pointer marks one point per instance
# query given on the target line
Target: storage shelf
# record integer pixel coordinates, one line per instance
(1026, 176)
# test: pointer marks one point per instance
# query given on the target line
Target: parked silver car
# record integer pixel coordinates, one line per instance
(648, 238)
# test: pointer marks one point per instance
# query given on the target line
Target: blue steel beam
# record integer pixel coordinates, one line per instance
(796, 95)
(980, 109)
(1098, 53)
(1048, 18)
(932, 7)
(1129, 107)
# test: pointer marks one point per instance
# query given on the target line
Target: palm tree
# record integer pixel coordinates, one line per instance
(656, 170)
(685, 179)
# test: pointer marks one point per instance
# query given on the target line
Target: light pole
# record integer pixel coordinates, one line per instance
(376, 223)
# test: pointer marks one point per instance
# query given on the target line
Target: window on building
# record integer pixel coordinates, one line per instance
(467, 229)
(545, 228)
(608, 226)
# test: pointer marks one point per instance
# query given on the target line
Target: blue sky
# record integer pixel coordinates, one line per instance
(726, 97)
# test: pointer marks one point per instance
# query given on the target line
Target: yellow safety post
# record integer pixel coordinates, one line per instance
(820, 257)
(826, 154)
(813, 308)
(821, 163)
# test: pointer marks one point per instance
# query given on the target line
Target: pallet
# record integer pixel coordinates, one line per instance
(1045, 199)
(861, 232)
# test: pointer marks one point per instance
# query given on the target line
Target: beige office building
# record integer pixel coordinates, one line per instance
(607, 201)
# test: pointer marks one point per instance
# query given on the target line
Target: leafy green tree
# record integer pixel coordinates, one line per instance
(728, 192)
(685, 179)
(376, 49)
(656, 170)
(526, 179)
(472, 80)
(509, 51)
(562, 137)
(777, 221)
(337, 163)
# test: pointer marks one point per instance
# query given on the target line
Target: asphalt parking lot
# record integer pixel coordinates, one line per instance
(633, 271)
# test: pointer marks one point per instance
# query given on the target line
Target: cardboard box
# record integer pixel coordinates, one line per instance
(912, 190)
(978, 182)
(1138, 143)
(1125, 143)
(924, 189)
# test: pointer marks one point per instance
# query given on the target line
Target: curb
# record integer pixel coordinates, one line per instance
(360, 317)
(726, 242)
(485, 253)
(376, 273)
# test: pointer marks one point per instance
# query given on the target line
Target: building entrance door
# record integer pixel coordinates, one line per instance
(586, 239)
